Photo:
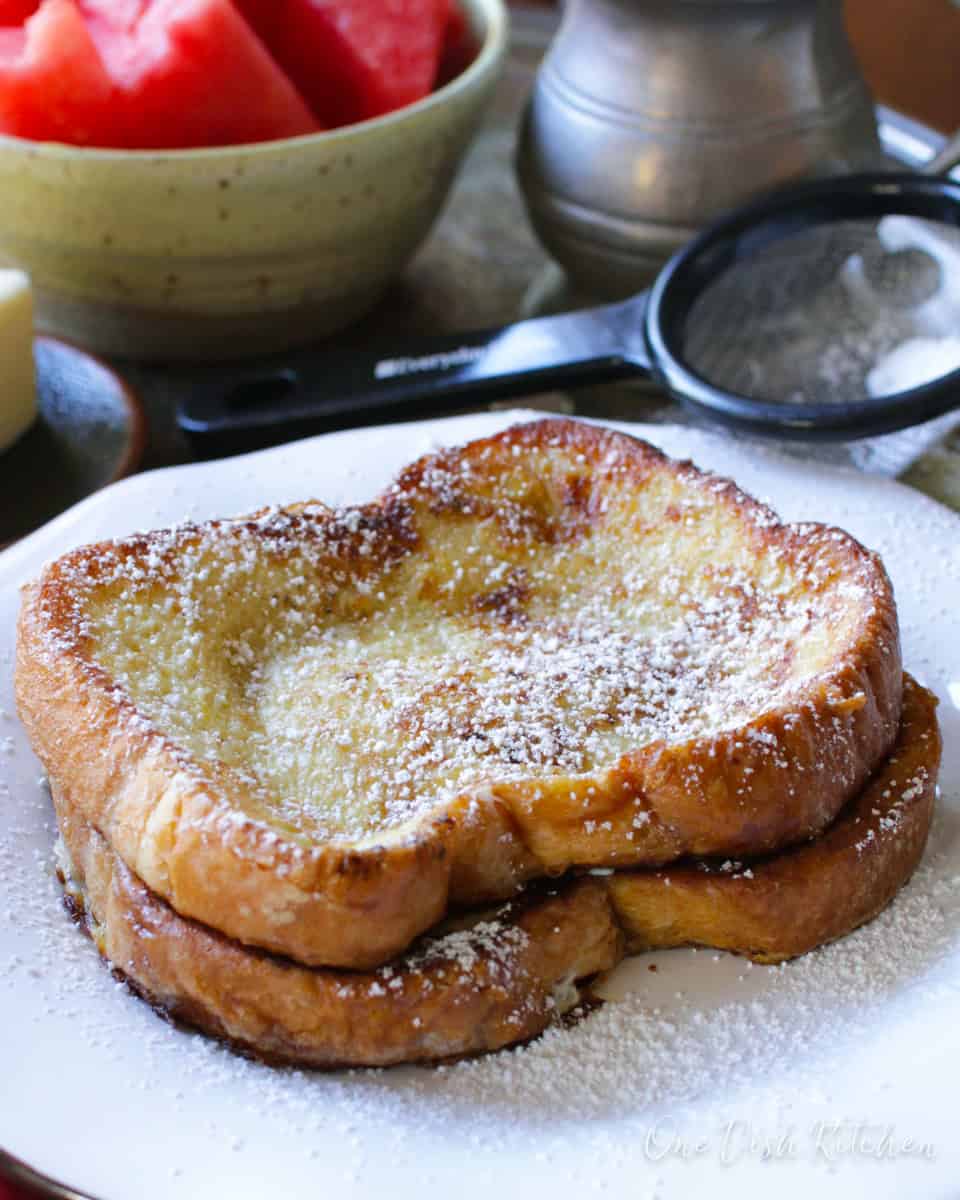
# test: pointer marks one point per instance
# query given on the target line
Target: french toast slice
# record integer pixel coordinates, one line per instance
(315, 731)
(501, 977)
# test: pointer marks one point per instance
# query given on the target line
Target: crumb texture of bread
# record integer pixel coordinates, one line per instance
(315, 730)
(494, 978)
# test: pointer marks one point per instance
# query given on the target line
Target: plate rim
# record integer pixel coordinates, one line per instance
(14, 1170)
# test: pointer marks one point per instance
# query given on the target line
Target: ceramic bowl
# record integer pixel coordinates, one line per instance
(240, 250)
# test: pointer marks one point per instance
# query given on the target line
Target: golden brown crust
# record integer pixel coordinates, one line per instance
(463, 996)
(785, 905)
(186, 827)
(451, 995)
(176, 829)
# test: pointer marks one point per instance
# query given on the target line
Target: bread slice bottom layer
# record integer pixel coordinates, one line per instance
(486, 980)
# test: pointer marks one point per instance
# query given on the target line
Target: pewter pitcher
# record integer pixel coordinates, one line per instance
(651, 117)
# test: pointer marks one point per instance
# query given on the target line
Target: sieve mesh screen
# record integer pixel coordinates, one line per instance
(834, 314)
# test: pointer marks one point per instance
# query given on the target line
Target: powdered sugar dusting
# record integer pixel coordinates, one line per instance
(647, 1049)
(356, 668)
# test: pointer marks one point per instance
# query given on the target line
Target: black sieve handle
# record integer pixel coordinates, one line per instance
(309, 391)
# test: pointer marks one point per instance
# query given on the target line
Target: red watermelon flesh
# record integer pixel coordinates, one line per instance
(114, 14)
(355, 59)
(157, 74)
(263, 16)
(192, 73)
(459, 45)
(53, 83)
(15, 12)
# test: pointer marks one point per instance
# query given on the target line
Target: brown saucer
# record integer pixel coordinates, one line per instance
(91, 430)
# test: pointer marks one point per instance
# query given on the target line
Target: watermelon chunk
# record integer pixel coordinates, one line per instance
(192, 73)
(114, 14)
(158, 74)
(15, 12)
(263, 16)
(459, 45)
(53, 83)
(354, 59)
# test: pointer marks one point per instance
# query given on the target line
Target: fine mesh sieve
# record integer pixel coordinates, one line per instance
(828, 310)
(825, 316)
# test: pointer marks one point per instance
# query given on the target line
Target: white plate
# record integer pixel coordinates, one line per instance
(843, 1066)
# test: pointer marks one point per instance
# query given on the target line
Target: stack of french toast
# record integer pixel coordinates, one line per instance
(392, 783)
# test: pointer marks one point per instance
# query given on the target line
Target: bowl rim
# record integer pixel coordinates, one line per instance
(492, 50)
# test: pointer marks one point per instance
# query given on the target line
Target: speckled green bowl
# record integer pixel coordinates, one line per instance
(207, 254)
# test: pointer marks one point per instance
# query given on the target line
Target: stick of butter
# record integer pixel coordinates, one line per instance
(18, 389)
